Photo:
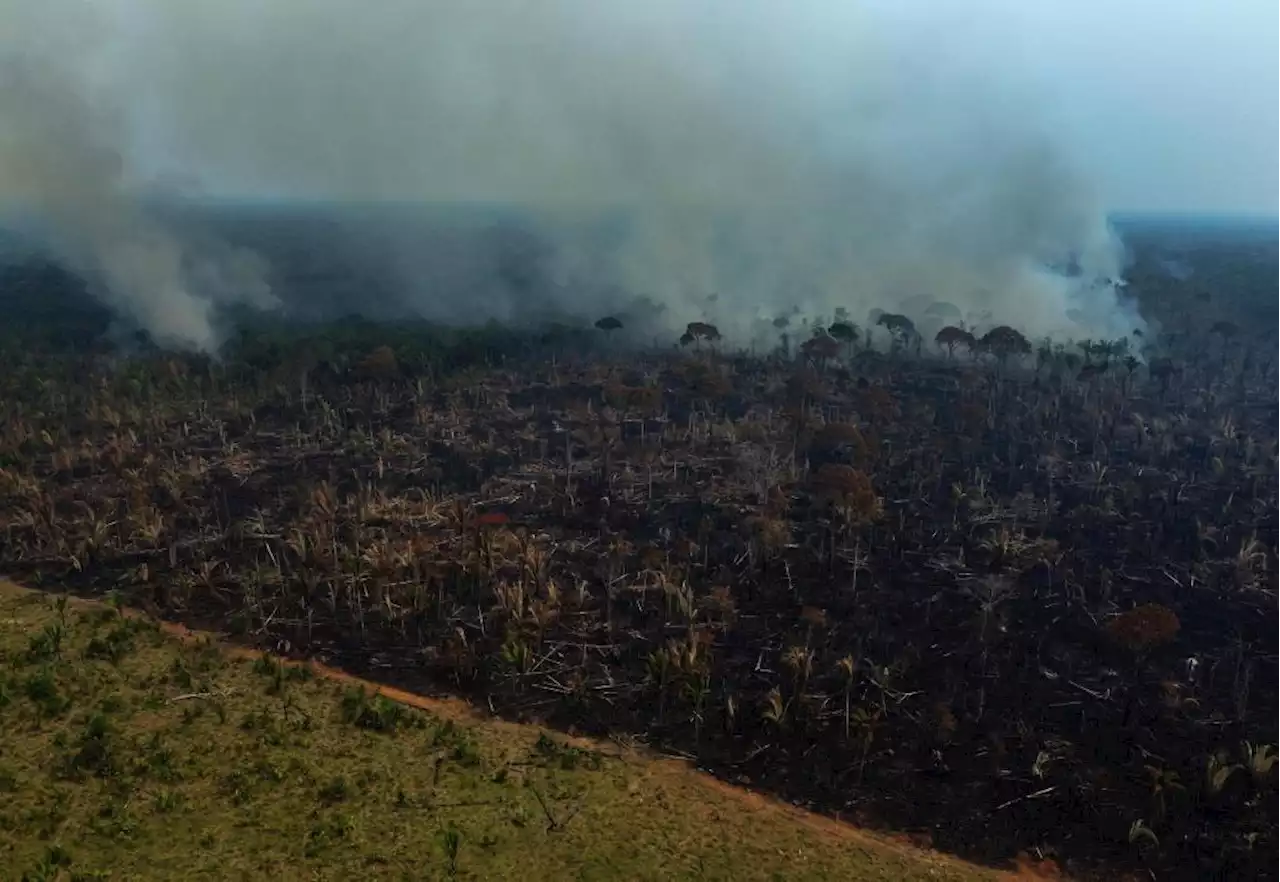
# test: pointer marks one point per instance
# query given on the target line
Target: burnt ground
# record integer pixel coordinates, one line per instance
(1020, 606)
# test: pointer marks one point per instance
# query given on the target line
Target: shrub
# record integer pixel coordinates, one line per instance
(1144, 628)
(850, 490)
(380, 364)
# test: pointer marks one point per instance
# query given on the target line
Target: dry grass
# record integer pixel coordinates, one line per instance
(131, 754)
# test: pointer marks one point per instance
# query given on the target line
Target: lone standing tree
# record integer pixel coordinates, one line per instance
(845, 332)
(821, 348)
(1004, 341)
(609, 324)
(696, 332)
(900, 327)
(950, 337)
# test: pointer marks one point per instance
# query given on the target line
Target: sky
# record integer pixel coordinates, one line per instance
(1167, 105)
(1164, 106)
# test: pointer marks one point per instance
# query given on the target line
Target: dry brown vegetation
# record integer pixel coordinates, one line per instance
(982, 596)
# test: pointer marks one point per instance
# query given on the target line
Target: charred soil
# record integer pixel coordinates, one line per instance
(1016, 605)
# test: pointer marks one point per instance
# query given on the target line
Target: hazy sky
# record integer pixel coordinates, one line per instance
(1166, 105)
(866, 152)
(1169, 104)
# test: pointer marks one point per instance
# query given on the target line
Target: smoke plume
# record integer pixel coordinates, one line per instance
(64, 177)
(724, 161)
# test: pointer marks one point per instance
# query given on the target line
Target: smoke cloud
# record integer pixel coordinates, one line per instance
(726, 161)
(65, 179)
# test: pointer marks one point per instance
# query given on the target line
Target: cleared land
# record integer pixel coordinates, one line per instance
(130, 753)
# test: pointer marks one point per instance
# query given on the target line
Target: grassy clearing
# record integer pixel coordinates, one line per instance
(128, 754)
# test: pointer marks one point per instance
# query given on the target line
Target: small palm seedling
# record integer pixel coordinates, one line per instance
(1139, 832)
(1217, 773)
(730, 716)
(866, 722)
(846, 668)
(451, 841)
(1251, 562)
(1260, 761)
(695, 690)
(374, 712)
(662, 671)
(94, 752)
(799, 661)
(775, 709)
(1164, 782)
(46, 645)
(517, 656)
(51, 866)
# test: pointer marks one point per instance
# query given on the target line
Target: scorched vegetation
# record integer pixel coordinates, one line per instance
(1019, 596)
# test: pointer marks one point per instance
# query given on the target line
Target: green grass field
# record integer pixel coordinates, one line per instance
(130, 754)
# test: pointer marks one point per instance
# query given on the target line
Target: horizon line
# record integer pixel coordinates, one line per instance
(267, 200)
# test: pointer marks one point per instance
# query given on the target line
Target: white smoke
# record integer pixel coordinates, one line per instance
(755, 156)
(64, 175)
